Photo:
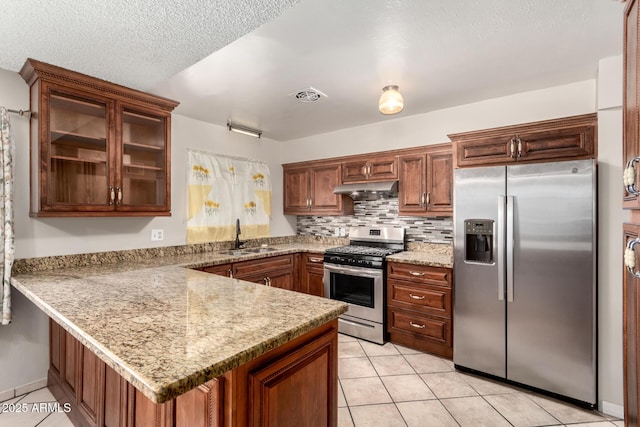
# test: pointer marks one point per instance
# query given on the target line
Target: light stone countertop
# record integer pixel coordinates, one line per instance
(167, 328)
(433, 255)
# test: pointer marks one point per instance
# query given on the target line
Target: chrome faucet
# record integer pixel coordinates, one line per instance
(238, 243)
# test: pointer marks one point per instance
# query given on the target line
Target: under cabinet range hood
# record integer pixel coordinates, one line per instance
(369, 190)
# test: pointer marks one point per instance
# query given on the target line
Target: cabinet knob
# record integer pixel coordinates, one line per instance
(417, 326)
(629, 176)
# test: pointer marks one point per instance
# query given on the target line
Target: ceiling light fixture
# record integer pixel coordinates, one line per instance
(244, 130)
(391, 101)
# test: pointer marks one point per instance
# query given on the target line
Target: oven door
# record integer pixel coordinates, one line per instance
(362, 288)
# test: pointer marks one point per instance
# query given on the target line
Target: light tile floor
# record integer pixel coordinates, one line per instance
(394, 386)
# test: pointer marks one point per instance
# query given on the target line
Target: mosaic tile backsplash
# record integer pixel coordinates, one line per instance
(377, 213)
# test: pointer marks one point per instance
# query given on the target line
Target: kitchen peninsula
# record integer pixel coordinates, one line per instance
(153, 342)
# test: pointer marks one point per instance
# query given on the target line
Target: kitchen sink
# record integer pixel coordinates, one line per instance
(238, 252)
(258, 250)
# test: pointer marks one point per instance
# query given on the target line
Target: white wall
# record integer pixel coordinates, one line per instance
(610, 220)
(433, 128)
(24, 344)
(560, 101)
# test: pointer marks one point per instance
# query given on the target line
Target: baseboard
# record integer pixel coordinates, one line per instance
(23, 389)
(613, 409)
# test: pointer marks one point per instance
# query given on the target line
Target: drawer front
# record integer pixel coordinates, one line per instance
(429, 299)
(432, 275)
(432, 328)
(220, 270)
(262, 266)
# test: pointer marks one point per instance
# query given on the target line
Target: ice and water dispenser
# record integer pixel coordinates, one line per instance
(478, 244)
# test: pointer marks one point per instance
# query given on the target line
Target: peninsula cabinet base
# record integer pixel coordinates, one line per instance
(295, 384)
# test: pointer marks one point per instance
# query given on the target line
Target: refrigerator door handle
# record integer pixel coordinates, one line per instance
(499, 242)
(510, 244)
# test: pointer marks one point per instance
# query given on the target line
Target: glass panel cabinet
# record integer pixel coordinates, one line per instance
(97, 149)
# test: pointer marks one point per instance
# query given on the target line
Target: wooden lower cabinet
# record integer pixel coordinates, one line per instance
(276, 271)
(419, 307)
(295, 384)
(312, 274)
(631, 335)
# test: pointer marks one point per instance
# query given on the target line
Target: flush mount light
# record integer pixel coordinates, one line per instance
(391, 101)
(244, 130)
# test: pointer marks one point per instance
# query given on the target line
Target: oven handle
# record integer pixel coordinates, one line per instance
(363, 272)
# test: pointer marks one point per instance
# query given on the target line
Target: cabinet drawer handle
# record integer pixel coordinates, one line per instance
(416, 273)
(630, 257)
(315, 259)
(629, 176)
(119, 195)
(419, 297)
(519, 147)
(112, 195)
(415, 325)
(512, 148)
(230, 271)
(423, 200)
(266, 281)
(428, 197)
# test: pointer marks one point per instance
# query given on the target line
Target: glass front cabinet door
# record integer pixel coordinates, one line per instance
(97, 149)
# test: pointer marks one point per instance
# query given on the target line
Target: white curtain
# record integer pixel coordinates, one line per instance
(222, 189)
(6, 214)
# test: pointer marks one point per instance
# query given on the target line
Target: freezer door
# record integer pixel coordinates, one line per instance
(551, 320)
(479, 306)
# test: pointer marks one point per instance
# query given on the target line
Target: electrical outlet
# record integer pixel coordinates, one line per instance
(157, 235)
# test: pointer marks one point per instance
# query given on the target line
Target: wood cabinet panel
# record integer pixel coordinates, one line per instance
(426, 182)
(568, 138)
(440, 182)
(368, 168)
(98, 149)
(220, 269)
(429, 299)
(312, 274)
(263, 266)
(631, 93)
(202, 406)
(308, 190)
(412, 191)
(70, 363)
(420, 307)
(296, 190)
(420, 273)
(631, 335)
(292, 385)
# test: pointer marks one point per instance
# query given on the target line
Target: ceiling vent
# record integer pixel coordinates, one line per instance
(308, 94)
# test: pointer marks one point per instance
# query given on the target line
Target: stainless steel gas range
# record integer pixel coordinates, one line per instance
(356, 274)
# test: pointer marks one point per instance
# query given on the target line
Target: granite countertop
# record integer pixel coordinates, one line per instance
(167, 329)
(432, 255)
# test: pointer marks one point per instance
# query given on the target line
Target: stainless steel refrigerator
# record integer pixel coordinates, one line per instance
(525, 275)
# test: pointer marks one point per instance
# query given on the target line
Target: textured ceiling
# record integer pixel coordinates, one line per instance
(137, 43)
(440, 53)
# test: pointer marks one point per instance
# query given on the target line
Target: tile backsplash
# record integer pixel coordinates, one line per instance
(376, 213)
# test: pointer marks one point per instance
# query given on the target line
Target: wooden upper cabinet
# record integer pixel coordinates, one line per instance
(631, 103)
(308, 190)
(379, 168)
(567, 138)
(97, 148)
(426, 182)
